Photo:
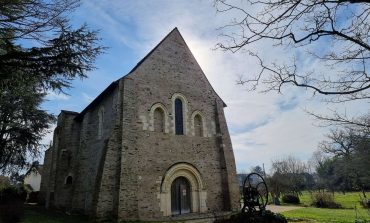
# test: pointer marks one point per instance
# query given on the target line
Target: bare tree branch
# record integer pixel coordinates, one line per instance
(333, 35)
(298, 24)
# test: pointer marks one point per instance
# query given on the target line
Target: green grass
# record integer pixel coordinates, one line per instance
(36, 214)
(347, 200)
(322, 215)
(352, 210)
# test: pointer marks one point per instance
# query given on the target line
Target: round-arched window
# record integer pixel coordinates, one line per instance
(69, 180)
(179, 120)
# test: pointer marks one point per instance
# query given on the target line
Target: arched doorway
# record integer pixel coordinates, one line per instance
(182, 176)
(180, 196)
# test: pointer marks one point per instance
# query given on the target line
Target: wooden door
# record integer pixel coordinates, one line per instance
(180, 196)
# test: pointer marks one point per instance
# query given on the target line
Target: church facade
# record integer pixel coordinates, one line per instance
(153, 145)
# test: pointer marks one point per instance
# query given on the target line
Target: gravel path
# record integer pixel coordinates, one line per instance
(279, 209)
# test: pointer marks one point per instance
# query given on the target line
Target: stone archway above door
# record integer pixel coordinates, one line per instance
(197, 188)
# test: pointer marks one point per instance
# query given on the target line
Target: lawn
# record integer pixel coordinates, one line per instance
(352, 210)
(347, 200)
(322, 215)
(36, 214)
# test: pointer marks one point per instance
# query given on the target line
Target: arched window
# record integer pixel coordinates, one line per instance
(100, 122)
(69, 180)
(198, 125)
(158, 120)
(179, 125)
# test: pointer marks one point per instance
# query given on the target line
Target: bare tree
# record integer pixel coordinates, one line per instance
(334, 34)
(288, 176)
(341, 142)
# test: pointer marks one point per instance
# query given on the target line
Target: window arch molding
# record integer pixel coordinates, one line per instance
(204, 129)
(165, 118)
(184, 113)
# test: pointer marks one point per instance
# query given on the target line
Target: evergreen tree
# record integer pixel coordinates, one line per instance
(39, 52)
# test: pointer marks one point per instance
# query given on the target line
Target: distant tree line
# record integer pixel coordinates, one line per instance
(341, 164)
(345, 164)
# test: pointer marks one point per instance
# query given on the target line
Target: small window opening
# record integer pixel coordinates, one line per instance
(158, 120)
(100, 123)
(69, 180)
(179, 125)
(198, 125)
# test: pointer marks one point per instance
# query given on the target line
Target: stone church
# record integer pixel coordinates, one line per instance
(154, 145)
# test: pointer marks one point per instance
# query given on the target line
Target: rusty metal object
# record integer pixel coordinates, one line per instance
(255, 194)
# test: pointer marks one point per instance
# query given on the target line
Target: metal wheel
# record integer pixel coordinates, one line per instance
(255, 193)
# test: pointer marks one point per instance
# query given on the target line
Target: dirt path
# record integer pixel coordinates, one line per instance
(279, 209)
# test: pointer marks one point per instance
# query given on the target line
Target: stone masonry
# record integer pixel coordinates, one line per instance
(110, 162)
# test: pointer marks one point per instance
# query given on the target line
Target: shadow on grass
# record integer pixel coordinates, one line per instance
(38, 214)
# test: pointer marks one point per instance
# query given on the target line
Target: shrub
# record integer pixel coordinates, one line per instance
(324, 200)
(11, 205)
(365, 203)
(266, 217)
(275, 200)
(291, 199)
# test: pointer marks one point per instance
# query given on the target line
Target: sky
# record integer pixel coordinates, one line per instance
(263, 126)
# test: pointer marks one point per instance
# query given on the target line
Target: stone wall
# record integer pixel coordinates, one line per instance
(60, 159)
(79, 153)
(45, 178)
(92, 151)
(122, 173)
(171, 70)
(108, 177)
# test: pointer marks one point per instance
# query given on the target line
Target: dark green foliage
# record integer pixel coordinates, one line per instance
(61, 53)
(348, 166)
(365, 203)
(330, 177)
(265, 217)
(39, 52)
(324, 200)
(291, 199)
(11, 205)
(55, 63)
(22, 124)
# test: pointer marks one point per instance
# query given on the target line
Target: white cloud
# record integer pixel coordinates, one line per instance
(49, 136)
(51, 95)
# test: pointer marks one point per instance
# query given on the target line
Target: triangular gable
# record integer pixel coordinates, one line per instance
(175, 31)
(114, 84)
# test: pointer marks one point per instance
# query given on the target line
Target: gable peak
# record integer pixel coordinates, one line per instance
(174, 31)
